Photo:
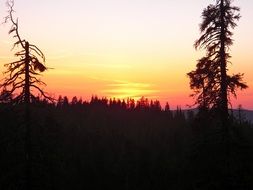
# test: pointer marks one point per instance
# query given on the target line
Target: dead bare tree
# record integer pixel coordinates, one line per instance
(22, 77)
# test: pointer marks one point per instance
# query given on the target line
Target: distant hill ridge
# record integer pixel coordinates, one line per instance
(245, 114)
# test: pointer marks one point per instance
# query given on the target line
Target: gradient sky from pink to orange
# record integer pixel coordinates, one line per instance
(124, 48)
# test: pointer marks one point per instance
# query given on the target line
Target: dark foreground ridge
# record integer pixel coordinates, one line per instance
(114, 145)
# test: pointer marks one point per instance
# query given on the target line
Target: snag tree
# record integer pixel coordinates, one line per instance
(22, 75)
(22, 78)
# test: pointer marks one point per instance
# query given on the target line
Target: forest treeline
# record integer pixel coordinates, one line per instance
(115, 144)
(126, 144)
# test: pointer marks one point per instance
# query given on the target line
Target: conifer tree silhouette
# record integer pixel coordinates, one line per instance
(210, 81)
(23, 75)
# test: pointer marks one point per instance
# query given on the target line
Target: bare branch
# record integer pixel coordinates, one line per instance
(10, 5)
(43, 93)
(38, 51)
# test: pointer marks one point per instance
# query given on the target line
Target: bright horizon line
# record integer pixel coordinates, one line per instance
(136, 99)
(124, 48)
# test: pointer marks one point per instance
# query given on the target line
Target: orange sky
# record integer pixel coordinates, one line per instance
(120, 48)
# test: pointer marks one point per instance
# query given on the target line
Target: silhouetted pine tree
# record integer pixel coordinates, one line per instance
(210, 81)
(23, 75)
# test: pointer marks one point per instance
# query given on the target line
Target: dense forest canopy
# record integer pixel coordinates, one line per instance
(127, 143)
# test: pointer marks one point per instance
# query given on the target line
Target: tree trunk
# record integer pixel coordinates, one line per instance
(223, 67)
(224, 98)
(28, 149)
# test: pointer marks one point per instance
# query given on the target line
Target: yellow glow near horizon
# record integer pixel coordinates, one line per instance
(124, 90)
(123, 48)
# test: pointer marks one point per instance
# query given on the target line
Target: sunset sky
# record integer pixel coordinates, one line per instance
(123, 48)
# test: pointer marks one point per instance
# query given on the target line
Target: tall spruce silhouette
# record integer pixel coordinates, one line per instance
(21, 76)
(210, 81)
